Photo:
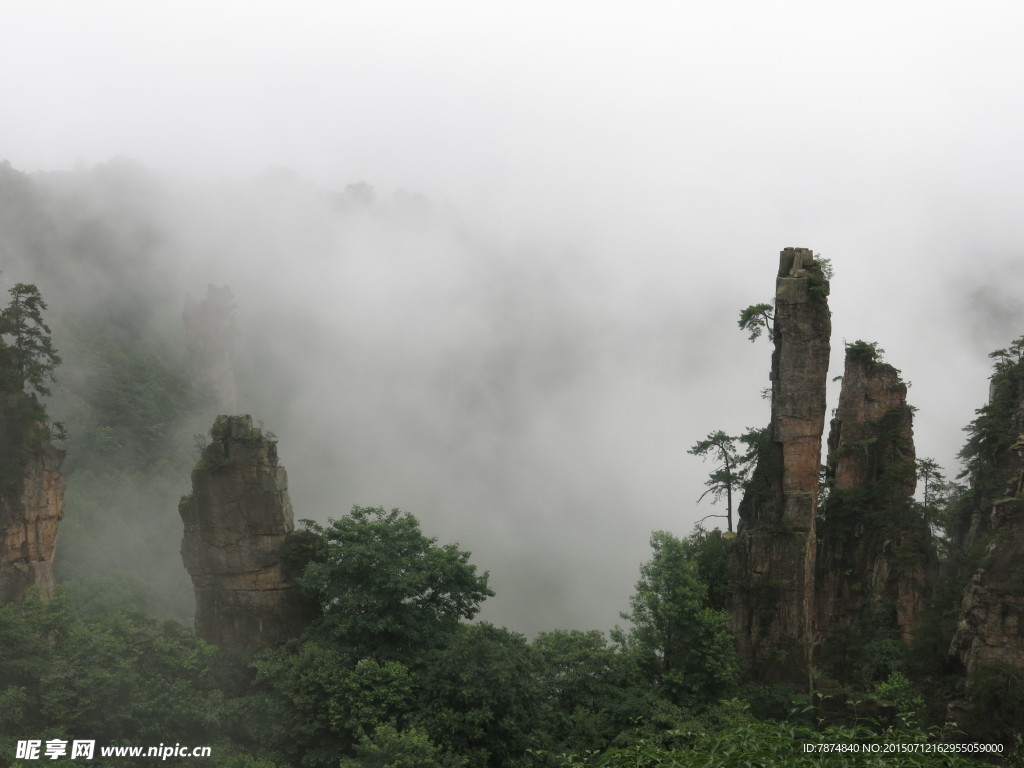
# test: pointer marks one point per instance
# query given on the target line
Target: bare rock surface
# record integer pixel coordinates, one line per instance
(238, 520)
(31, 501)
(773, 558)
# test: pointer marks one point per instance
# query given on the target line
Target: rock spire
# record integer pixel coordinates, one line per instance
(31, 499)
(991, 630)
(238, 536)
(874, 549)
(773, 559)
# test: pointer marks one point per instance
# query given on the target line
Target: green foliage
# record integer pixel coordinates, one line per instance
(323, 700)
(481, 697)
(752, 743)
(731, 472)
(592, 689)
(119, 679)
(991, 434)
(910, 706)
(866, 652)
(756, 319)
(820, 272)
(996, 710)
(765, 459)
(387, 591)
(1009, 359)
(865, 349)
(710, 551)
(685, 645)
(827, 270)
(28, 357)
(930, 476)
(388, 747)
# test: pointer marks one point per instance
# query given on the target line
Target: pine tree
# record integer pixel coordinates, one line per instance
(29, 358)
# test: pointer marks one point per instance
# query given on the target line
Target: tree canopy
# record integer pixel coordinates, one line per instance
(387, 590)
(686, 642)
(29, 357)
(757, 318)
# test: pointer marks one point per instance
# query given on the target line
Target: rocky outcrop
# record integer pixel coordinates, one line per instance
(773, 557)
(871, 439)
(238, 529)
(991, 629)
(31, 499)
(875, 556)
(210, 341)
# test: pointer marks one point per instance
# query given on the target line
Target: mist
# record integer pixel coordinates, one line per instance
(517, 335)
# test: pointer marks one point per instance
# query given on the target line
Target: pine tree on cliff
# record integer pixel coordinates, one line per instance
(29, 358)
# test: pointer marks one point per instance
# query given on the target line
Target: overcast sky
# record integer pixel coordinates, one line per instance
(650, 159)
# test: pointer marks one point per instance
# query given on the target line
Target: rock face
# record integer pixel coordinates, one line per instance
(874, 550)
(773, 558)
(210, 339)
(872, 433)
(238, 527)
(992, 626)
(31, 500)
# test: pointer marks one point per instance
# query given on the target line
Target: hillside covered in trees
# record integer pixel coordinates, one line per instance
(842, 610)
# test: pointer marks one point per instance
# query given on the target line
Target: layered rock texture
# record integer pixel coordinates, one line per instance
(210, 339)
(875, 557)
(31, 499)
(991, 630)
(773, 559)
(992, 627)
(238, 536)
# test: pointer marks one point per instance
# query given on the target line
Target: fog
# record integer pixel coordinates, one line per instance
(520, 335)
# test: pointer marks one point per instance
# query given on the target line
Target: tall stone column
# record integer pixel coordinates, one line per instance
(773, 558)
(991, 629)
(874, 549)
(31, 500)
(238, 523)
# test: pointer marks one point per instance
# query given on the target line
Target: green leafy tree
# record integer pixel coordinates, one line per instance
(685, 643)
(757, 319)
(591, 687)
(29, 355)
(481, 697)
(388, 747)
(323, 700)
(710, 551)
(388, 591)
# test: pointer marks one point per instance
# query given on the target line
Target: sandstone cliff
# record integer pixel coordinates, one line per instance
(238, 526)
(992, 626)
(875, 556)
(31, 499)
(210, 340)
(773, 557)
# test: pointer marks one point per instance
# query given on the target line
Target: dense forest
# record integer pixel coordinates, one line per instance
(397, 670)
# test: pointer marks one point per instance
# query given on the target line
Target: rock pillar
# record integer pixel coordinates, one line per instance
(874, 548)
(991, 629)
(31, 499)
(773, 559)
(238, 523)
